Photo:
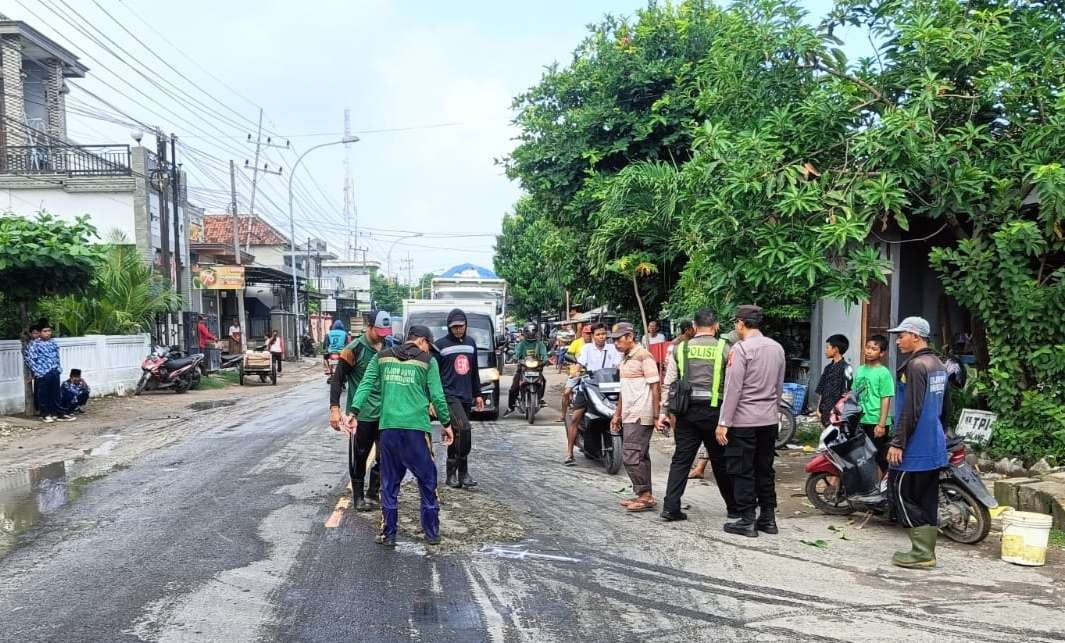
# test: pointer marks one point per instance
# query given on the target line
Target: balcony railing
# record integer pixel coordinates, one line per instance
(72, 160)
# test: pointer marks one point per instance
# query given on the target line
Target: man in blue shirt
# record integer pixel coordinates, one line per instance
(42, 358)
(918, 445)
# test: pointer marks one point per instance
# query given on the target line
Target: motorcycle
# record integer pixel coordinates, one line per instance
(164, 368)
(835, 481)
(530, 391)
(596, 441)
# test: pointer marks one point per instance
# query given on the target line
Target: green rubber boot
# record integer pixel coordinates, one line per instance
(922, 554)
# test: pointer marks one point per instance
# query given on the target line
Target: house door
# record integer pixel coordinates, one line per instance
(876, 312)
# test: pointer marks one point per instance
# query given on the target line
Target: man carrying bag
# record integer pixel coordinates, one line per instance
(694, 377)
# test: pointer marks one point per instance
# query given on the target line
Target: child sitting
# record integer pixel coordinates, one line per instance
(74, 393)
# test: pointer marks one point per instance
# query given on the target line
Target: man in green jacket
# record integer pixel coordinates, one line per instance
(407, 378)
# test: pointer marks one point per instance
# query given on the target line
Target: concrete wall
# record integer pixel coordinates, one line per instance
(111, 364)
(831, 317)
(108, 210)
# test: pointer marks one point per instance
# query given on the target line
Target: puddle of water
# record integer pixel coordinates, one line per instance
(27, 496)
(211, 404)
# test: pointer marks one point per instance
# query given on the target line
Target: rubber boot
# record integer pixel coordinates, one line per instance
(360, 500)
(466, 481)
(373, 490)
(452, 475)
(767, 522)
(922, 554)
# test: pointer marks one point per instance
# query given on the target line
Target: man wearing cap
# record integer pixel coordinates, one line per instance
(918, 446)
(748, 422)
(636, 412)
(407, 379)
(462, 387)
(355, 358)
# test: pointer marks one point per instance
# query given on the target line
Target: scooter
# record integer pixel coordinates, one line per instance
(595, 439)
(530, 391)
(163, 371)
(964, 501)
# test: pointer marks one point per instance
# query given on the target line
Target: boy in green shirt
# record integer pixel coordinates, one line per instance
(408, 379)
(876, 387)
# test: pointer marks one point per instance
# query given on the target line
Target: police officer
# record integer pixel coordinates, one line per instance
(462, 387)
(701, 362)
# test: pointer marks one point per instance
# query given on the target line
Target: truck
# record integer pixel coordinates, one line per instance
(468, 287)
(480, 325)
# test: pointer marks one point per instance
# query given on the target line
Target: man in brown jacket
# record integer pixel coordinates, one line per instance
(747, 426)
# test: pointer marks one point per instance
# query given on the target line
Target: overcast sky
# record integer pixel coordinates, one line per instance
(444, 72)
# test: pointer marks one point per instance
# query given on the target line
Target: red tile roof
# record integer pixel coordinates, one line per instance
(218, 228)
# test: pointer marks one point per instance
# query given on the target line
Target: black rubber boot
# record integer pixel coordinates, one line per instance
(359, 498)
(742, 527)
(767, 522)
(452, 475)
(466, 481)
(373, 490)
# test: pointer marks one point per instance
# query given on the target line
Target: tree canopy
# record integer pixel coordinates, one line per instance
(739, 153)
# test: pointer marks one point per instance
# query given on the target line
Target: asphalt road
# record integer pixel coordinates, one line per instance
(240, 533)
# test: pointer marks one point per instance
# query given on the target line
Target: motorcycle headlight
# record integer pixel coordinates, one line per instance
(532, 363)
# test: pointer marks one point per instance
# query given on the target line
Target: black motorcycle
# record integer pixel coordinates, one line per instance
(596, 441)
(531, 387)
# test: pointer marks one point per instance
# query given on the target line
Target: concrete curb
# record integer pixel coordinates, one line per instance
(1039, 495)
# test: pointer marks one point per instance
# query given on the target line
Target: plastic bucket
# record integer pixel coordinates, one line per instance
(794, 395)
(1024, 537)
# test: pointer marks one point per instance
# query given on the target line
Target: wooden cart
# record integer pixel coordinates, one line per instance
(259, 363)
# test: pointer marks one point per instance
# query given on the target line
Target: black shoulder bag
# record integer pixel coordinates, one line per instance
(680, 391)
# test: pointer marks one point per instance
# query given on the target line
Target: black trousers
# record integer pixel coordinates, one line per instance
(459, 450)
(359, 447)
(749, 460)
(277, 360)
(695, 428)
(881, 444)
(916, 497)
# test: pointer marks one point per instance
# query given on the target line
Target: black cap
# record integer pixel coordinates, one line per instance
(417, 331)
(749, 312)
(456, 318)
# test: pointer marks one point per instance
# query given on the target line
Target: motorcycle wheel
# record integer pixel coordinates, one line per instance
(530, 406)
(181, 385)
(826, 496)
(273, 375)
(612, 458)
(974, 525)
(142, 384)
(195, 380)
(785, 427)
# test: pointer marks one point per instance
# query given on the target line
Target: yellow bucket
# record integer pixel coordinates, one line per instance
(1025, 535)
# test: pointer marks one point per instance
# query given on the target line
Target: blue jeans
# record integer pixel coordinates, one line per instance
(402, 450)
(70, 401)
(46, 394)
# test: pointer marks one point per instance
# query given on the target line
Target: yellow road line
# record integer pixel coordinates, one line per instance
(338, 513)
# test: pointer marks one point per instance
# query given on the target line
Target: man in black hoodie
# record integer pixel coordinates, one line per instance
(462, 387)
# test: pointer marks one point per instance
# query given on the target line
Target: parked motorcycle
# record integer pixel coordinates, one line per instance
(530, 391)
(964, 501)
(785, 425)
(164, 369)
(601, 389)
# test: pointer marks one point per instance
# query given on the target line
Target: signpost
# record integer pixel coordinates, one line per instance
(975, 426)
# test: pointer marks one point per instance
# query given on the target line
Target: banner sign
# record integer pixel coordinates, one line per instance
(212, 277)
(975, 426)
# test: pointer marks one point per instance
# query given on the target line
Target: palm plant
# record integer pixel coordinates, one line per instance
(125, 296)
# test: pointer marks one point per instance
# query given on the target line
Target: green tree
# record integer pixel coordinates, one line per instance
(536, 260)
(43, 256)
(386, 294)
(124, 297)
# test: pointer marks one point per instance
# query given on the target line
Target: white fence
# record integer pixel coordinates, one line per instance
(109, 363)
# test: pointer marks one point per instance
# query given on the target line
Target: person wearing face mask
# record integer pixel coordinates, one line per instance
(462, 387)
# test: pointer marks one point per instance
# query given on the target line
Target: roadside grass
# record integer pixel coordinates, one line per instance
(219, 380)
(1057, 538)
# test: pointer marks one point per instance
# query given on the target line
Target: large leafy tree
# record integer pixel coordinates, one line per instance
(386, 294)
(536, 260)
(39, 257)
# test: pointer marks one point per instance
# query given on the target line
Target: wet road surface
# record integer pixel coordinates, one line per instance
(240, 533)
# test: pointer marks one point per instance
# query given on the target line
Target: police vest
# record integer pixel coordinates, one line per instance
(704, 364)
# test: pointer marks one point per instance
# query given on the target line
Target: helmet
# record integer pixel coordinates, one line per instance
(530, 330)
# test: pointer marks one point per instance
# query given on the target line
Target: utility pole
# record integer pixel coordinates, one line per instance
(255, 169)
(236, 252)
(175, 189)
(160, 176)
(349, 197)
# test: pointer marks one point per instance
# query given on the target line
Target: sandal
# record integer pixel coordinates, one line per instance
(569, 461)
(641, 505)
(626, 503)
